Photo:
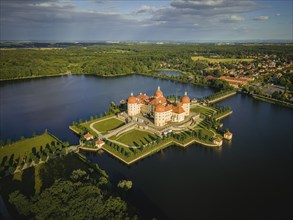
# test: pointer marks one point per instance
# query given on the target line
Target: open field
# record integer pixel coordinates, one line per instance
(88, 123)
(220, 60)
(24, 147)
(108, 125)
(135, 138)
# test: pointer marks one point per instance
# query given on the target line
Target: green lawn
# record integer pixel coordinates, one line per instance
(103, 126)
(204, 131)
(24, 147)
(78, 130)
(136, 138)
(108, 125)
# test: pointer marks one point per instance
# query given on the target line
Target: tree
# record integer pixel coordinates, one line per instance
(66, 144)
(21, 203)
(125, 184)
(70, 200)
(103, 180)
(114, 208)
(79, 175)
(11, 169)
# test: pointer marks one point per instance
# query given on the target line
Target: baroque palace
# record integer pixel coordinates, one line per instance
(159, 107)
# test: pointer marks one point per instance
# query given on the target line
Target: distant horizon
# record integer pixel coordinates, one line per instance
(154, 41)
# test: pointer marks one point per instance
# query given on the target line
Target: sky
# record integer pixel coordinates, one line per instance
(143, 20)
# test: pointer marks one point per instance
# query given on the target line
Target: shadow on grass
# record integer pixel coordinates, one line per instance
(151, 137)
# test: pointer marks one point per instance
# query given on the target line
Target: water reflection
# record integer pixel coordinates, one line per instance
(211, 151)
(255, 169)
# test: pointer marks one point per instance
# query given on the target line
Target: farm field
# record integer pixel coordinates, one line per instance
(221, 60)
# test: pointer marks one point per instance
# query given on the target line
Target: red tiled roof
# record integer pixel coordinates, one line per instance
(210, 77)
(158, 93)
(160, 108)
(228, 133)
(218, 139)
(88, 135)
(100, 142)
(158, 100)
(142, 96)
(185, 99)
(178, 109)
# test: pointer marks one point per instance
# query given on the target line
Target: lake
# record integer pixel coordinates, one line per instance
(33, 105)
(248, 178)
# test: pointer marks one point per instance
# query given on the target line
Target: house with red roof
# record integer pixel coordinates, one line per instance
(228, 135)
(88, 136)
(218, 141)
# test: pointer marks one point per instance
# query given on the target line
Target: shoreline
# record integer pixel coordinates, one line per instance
(272, 101)
(155, 150)
(36, 77)
(223, 97)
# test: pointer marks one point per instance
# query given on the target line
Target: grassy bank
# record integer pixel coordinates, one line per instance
(24, 147)
(273, 101)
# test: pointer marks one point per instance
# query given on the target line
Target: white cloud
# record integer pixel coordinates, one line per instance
(278, 14)
(210, 3)
(261, 18)
(236, 18)
(146, 9)
(70, 19)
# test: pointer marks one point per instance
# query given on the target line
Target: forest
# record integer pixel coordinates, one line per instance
(121, 59)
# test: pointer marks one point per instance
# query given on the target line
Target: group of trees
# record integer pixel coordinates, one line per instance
(217, 95)
(53, 149)
(125, 184)
(132, 151)
(183, 136)
(122, 59)
(220, 109)
(79, 197)
(121, 150)
(221, 85)
(189, 135)
(279, 95)
(284, 96)
(211, 122)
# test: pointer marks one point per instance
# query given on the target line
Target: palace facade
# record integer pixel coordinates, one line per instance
(158, 107)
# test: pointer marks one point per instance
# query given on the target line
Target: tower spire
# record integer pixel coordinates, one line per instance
(176, 96)
(159, 88)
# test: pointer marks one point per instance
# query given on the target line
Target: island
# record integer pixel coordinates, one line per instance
(150, 123)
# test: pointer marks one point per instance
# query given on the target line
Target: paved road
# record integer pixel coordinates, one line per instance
(108, 135)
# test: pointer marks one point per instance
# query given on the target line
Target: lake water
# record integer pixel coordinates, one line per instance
(249, 178)
(33, 105)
